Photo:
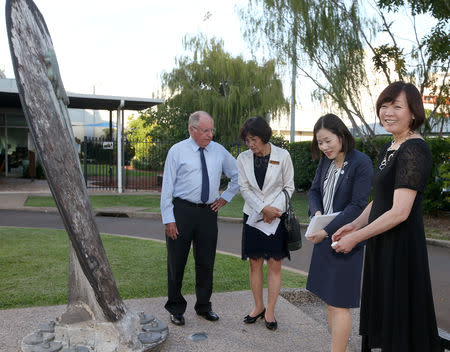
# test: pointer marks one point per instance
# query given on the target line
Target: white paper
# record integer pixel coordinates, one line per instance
(318, 222)
(256, 220)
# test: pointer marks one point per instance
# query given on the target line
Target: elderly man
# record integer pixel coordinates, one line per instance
(190, 200)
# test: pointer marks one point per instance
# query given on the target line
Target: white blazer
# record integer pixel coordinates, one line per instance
(279, 175)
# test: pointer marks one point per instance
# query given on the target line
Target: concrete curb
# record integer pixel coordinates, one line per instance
(438, 243)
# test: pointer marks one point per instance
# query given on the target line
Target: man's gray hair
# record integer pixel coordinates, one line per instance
(195, 116)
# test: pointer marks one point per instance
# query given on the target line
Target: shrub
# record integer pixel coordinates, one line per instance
(437, 192)
(304, 166)
(95, 153)
(279, 141)
(235, 148)
(373, 148)
(149, 155)
(437, 195)
(140, 164)
(40, 174)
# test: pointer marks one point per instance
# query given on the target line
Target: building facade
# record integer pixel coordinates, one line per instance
(91, 116)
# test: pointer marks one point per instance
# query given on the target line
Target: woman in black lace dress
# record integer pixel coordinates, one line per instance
(397, 310)
(264, 171)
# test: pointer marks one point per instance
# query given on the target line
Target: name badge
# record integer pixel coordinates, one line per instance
(274, 162)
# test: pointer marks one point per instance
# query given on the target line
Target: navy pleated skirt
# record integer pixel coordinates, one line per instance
(336, 277)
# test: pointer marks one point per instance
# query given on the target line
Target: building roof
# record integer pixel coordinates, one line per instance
(9, 98)
(107, 102)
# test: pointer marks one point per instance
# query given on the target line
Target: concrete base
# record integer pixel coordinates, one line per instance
(134, 333)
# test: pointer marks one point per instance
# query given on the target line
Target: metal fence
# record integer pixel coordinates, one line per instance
(142, 166)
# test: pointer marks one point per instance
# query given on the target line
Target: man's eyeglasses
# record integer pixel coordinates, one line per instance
(205, 130)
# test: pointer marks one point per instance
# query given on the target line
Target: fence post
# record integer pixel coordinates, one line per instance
(119, 145)
(85, 160)
(124, 161)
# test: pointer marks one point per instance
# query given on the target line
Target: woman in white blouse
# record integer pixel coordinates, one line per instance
(264, 171)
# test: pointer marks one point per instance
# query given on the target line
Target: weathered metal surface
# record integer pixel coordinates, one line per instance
(96, 318)
(44, 102)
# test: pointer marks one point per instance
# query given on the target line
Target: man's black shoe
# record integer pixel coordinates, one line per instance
(177, 319)
(209, 315)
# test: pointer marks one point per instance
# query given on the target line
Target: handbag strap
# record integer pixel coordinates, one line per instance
(288, 201)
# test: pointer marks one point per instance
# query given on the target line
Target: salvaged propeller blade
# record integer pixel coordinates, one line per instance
(93, 295)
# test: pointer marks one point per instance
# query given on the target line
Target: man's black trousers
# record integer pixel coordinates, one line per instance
(196, 225)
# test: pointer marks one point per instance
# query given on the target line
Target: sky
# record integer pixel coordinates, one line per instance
(121, 47)
(116, 47)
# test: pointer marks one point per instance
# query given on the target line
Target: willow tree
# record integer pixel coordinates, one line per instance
(328, 47)
(336, 39)
(230, 88)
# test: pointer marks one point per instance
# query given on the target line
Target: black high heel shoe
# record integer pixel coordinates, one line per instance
(250, 320)
(271, 325)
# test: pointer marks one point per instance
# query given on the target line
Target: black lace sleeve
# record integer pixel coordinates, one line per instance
(413, 165)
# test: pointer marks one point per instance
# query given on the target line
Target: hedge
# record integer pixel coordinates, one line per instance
(304, 165)
(437, 192)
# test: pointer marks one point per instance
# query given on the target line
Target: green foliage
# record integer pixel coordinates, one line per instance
(40, 173)
(304, 166)
(427, 63)
(437, 42)
(387, 53)
(137, 127)
(149, 155)
(229, 88)
(439, 9)
(165, 122)
(435, 198)
(373, 148)
(235, 148)
(96, 153)
(138, 164)
(279, 141)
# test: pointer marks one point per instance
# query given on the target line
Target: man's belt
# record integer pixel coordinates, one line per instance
(194, 205)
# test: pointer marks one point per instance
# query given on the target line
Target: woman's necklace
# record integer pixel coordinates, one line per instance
(386, 157)
(400, 140)
(391, 149)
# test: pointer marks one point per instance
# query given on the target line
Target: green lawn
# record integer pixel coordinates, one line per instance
(106, 169)
(34, 268)
(151, 203)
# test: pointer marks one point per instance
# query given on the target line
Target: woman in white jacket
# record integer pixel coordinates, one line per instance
(264, 171)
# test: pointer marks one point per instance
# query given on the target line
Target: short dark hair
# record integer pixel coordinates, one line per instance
(413, 97)
(335, 125)
(256, 126)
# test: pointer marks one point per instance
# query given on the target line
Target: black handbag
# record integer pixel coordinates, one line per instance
(294, 235)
